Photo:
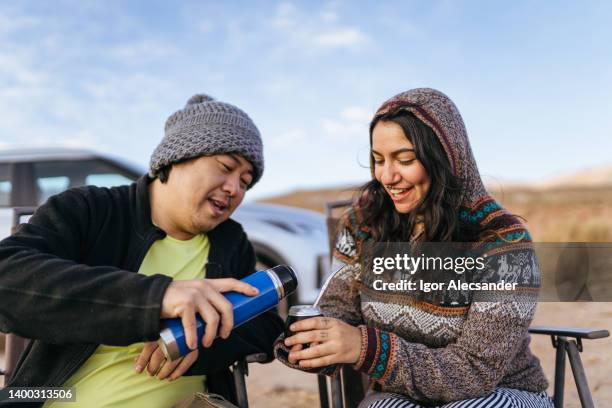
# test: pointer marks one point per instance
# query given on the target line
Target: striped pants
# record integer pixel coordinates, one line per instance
(500, 398)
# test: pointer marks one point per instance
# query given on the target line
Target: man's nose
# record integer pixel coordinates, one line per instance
(232, 185)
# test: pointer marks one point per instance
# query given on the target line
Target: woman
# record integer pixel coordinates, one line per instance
(421, 349)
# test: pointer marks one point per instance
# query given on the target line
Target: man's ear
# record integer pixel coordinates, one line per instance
(164, 173)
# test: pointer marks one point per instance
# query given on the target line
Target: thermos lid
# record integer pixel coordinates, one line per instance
(287, 276)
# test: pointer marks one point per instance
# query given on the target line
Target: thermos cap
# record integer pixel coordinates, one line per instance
(287, 277)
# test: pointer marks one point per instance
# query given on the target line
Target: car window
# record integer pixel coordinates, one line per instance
(57, 176)
(48, 186)
(5, 185)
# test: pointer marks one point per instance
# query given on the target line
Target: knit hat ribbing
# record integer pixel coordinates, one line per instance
(208, 127)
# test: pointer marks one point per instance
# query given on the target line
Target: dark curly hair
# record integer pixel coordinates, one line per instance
(438, 209)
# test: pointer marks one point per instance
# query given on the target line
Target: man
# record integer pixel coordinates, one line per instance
(94, 270)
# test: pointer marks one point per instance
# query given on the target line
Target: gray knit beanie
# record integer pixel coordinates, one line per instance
(207, 127)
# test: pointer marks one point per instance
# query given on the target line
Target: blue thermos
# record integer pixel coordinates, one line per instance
(274, 284)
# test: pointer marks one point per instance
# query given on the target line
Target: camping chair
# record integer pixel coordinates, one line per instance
(348, 389)
(15, 345)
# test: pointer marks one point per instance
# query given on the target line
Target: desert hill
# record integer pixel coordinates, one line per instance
(572, 207)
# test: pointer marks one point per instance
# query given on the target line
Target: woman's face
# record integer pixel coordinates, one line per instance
(396, 166)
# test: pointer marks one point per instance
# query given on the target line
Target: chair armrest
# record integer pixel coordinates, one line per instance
(576, 332)
(240, 369)
(257, 358)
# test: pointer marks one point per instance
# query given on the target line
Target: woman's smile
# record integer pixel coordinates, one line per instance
(398, 194)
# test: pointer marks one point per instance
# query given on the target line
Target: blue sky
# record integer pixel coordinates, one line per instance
(532, 79)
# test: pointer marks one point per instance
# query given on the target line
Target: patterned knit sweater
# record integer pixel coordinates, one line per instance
(437, 352)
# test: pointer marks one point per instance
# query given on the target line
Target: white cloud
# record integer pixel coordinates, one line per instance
(280, 86)
(356, 113)
(134, 91)
(10, 24)
(78, 139)
(205, 26)
(329, 16)
(237, 37)
(141, 51)
(285, 17)
(341, 37)
(352, 123)
(285, 140)
(315, 33)
(17, 67)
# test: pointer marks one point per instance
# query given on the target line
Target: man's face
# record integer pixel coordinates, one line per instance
(207, 190)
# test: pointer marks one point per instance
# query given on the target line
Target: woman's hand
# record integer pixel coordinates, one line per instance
(332, 341)
(152, 358)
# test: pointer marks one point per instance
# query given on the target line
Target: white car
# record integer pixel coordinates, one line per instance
(279, 234)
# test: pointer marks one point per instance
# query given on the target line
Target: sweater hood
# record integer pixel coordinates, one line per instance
(438, 112)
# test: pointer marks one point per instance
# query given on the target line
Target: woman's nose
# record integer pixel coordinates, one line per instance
(389, 174)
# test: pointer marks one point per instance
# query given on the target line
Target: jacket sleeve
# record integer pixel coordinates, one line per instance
(340, 298)
(471, 367)
(254, 336)
(47, 293)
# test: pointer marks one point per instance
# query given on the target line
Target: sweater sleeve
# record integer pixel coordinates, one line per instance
(470, 367)
(48, 293)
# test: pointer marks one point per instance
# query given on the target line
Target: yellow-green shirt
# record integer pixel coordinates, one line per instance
(108, 378)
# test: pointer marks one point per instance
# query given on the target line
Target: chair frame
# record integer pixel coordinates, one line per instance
(14, 345)
(568, 342)
(240, 370)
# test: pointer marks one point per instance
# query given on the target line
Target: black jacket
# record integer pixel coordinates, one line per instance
(67, 281)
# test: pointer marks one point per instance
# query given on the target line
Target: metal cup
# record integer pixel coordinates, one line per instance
(300, 312)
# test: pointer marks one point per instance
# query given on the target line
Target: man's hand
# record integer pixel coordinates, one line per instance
(332, 341)
(152, 358)
(185, 298)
